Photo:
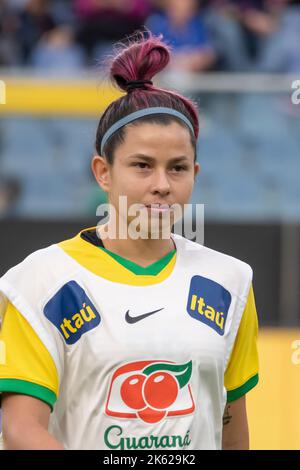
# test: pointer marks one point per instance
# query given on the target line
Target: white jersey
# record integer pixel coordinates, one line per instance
(140, 364)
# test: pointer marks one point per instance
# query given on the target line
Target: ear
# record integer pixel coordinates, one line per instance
(197, 168)
(100, 169)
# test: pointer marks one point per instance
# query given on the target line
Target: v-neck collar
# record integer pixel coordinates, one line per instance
(152, 270)
(101, 263)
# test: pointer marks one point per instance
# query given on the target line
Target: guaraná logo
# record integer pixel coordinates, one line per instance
(150, 391)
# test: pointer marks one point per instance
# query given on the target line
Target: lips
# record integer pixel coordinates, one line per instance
(158, 208)
(157, 205)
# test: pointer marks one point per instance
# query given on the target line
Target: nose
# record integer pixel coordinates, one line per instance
(161, 183)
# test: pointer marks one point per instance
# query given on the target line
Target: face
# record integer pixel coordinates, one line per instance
(154, 165)
(180, 9)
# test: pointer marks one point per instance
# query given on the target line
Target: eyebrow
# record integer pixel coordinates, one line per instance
(152, 159)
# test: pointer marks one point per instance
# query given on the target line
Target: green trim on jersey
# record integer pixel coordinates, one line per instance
(28, 388)
(243, 389)
(152, 270)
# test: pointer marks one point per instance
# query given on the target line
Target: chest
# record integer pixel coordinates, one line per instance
(104, 323)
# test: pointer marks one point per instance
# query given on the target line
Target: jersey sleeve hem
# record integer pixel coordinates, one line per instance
(28, 388)
(233, 395)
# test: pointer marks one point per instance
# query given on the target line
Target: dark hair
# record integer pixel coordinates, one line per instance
(141, 59)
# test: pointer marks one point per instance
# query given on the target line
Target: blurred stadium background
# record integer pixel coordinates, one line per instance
(238, 59)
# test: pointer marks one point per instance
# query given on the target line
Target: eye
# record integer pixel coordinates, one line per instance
(179, 168)
(141, 165)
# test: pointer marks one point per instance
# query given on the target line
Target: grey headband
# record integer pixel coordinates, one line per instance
(143, 112)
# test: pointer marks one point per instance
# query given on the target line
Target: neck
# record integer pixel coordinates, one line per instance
(141, 251)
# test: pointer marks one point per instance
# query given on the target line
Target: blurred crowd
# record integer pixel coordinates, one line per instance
(211, 35)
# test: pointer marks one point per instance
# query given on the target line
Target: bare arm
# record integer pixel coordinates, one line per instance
(235, 426)
(25, 424)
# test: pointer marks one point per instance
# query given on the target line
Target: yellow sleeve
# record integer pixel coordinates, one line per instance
(26, 366)
(241, 374)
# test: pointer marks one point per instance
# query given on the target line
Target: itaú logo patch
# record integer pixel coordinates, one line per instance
(150, 391)
(209, 302)
(72, 312)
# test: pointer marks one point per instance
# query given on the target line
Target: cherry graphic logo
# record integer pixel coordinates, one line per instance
(149, 415)
(154, 390)
(161, 390)
(131, 391)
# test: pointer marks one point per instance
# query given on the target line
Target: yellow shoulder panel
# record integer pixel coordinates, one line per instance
(24, 357)
(242, 369)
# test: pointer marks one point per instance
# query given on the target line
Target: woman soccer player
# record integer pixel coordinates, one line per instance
(125, 342)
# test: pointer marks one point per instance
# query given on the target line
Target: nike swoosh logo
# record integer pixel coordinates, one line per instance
(130, 319)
